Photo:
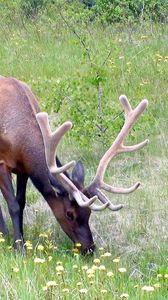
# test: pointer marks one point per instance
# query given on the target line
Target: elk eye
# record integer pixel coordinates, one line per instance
(70, 215)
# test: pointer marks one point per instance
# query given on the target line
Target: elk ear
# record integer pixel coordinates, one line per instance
(78, 174)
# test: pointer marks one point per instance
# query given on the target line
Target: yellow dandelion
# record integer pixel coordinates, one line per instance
(15, 270)
(78, 245)
(95, 267)
(101, 249)
(166, 276)
(83, 291)
(110, 274)
(65, 290)
(43, 235)
(103, 291)
(28, 244)
(40, 248)
(79, 283)
(90, 275)
(75, 250)
(147, 288)
(59, 262)
(102, 268)
(144, 37)
(122, 270)
(90, 271)
(124, 296)
(59, 268)
(29, 248)
(159, 275)
(106, 254)
(51, 283)
(157, 285)
(50, 258)
(38, 260)
(75, 267)
(116, 260)
(2, 240)
(96, 261)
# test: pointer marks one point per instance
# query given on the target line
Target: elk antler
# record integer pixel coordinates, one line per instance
(51, 141)
(116, 148)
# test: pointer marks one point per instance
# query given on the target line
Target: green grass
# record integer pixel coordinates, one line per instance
(49, 58)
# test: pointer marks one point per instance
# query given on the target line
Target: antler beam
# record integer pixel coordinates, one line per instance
(51, 141)
(116, 148)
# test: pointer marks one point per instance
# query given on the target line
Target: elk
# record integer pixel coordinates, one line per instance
(28, 149)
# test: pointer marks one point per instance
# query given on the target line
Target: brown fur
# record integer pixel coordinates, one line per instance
(22, 152)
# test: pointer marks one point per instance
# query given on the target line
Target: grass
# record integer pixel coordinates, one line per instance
(137, 235)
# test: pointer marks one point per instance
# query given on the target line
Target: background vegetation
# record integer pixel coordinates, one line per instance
(78, 58)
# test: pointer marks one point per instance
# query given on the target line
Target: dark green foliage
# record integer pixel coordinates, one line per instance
(31, 8)
(119, 11)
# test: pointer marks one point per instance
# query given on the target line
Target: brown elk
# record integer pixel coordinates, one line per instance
(28, 149)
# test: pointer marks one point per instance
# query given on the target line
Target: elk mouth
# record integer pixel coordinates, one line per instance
(88, 250)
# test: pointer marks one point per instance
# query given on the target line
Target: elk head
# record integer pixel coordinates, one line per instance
(74, 210)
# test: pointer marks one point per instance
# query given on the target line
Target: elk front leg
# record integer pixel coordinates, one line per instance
(13, 205)
(3, 227)
(21, 196)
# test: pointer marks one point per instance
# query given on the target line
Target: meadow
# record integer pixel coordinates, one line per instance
(131, 259)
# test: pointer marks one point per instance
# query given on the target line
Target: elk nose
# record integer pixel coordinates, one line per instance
(89, 250)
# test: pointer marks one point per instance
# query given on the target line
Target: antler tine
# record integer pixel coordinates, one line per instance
(51, 141)
(116, 148)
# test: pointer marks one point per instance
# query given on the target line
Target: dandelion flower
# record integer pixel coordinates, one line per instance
(90, 271)
(107, 254)
(40, 248)
(75, 250)
(147, 288)
(157, 285)
(95, 267)
(51, 283)
(38, 260)
(103, 291)
(2, 240)
(159, 275)
(75, 267)
(102, 268)
(96, 261)
(78, 245)
(44, 235)
(79, 283)
(122, 270)
(101, 248)
(83, 291)
(65, 290)
(15, 270)
(59, 262)
(59, 268)
(116, 260)
(124, 296)
(49, 258)
(166, 276)
(110, 274)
